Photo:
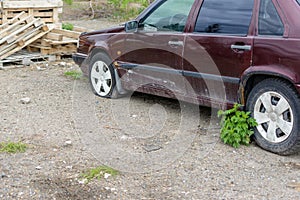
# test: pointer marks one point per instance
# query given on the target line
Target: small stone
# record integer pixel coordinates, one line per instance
(150, 148)
(38, 168)
(124, 137)
(69, 167)
(68, 142)
(62, 64)
(25, 100)
(106, 175)
(134, 116)
(3, 175)
(83, 181)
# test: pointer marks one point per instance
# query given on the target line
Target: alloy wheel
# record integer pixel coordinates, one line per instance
(101, 78)
(274, 116)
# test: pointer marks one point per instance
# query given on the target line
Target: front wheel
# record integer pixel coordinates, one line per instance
(275, 106)
(102, 76)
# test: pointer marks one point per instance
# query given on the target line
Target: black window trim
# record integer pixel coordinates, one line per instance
(281, 19)
(225, 34)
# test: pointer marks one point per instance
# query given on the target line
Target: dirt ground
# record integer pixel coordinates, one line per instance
(163, 149)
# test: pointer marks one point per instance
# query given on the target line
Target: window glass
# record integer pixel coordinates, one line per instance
(298, 2)
(225, 17)
(171, 15)
(269, 22)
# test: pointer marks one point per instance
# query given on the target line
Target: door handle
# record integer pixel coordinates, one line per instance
(241, 47)
(175, 43)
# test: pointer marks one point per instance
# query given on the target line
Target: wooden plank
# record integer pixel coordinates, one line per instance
(24, 57)
(80, 29)
(67, 33)
(12, 13)
(30, 11)
(26, 43)
(32, 49)
(7, 50)
(45, 43)
(4, 16)
(13, 20)
(54, 36)
(7, 30)
(8, 47)
(31, 34)
(37, 13)
(39, 46)
(47, 20)
(55, 15)
(27, 35)
(13, 36)
(61, 42)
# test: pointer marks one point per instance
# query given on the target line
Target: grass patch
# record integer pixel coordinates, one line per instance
(69, 2)
(12, 147)
(67, 26)
(236, 126)
(98, 173)
(74, 74)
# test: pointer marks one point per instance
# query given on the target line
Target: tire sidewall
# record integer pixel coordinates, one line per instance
(104, 58)
(284, 89)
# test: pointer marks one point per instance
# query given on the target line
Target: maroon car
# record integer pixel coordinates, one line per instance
(210, 52)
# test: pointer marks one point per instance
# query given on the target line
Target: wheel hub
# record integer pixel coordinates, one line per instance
(273, 117)
(101, 78)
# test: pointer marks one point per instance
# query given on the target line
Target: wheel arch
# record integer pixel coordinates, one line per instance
(250, 80)
(96, 50)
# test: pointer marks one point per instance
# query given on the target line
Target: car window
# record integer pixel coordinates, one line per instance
(298, 1)
(225, 17)
(171, 15)
(269, 22)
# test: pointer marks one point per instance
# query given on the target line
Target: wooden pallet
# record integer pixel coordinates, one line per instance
(57, 42)
(24, 58)
(47, 15)
(19, 32)
(46, 10)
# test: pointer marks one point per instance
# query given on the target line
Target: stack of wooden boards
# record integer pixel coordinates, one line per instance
(57, 42)
(28, 28)
(47, 10)
(19, 32)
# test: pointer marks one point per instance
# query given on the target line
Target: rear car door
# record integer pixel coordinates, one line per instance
(154, 52)
(218, 51)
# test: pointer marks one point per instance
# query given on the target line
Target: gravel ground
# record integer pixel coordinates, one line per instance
(163, 149)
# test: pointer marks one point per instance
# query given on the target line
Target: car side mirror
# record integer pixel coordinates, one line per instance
(131, 26)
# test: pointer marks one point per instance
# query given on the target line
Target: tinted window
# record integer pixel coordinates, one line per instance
(171, 15)
(225, 17)
(269, 22)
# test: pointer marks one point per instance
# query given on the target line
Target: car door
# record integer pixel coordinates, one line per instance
(154, 52)
(218, 51)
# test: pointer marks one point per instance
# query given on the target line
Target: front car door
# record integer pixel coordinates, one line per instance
(218, 51)
(154, 52)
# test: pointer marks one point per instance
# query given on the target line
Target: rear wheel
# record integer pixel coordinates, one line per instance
(102, 76)
(275, 106)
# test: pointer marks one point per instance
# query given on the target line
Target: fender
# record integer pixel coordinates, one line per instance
(278, 71)
(270, 70)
